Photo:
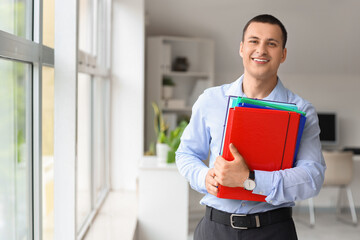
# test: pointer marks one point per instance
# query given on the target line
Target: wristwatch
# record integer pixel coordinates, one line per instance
(249, 183)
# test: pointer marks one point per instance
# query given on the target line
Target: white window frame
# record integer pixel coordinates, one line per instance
(69, 62)
(33, 52)
(87, 64)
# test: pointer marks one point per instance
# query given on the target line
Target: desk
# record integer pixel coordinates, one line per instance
(163, 202)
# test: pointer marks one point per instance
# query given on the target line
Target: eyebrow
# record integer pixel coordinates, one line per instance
(269, 39)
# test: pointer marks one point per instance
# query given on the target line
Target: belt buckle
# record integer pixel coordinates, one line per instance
(232, 221)
(257, 220)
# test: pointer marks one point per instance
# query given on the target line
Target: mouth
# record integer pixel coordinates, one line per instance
(260, 60)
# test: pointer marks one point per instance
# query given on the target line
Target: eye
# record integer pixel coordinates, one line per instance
(253, 41)
(272, 44)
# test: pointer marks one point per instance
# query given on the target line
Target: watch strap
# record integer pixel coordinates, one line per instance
(252, 175)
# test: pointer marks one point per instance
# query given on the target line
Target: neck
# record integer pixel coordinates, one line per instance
(258, 88)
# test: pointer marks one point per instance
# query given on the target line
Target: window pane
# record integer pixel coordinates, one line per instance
(48, 22)
(99, 117)
(14, 150)
(48, 152)
(84, 152)
(86, 18)
(16, 17)
(102, 37)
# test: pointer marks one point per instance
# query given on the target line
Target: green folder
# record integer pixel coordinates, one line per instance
(234, 101)
(276, 105)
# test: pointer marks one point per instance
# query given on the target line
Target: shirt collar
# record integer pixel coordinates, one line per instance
(278, 93)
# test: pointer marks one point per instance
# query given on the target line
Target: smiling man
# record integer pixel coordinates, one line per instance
(263, 50)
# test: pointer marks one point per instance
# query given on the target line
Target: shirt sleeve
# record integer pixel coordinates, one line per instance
(305, 179)
(194, 148)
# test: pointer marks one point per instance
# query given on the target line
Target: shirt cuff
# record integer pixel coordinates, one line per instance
(263, 180)
(201, 180)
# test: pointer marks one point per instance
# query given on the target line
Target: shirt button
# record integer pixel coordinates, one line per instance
(261, 193)
(243, 204)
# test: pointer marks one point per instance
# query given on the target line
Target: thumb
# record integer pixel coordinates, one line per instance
(234, 151)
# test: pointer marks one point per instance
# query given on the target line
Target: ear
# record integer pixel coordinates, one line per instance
(241, 49)
(284, 55)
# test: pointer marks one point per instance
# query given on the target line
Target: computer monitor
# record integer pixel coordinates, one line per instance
(329, 127)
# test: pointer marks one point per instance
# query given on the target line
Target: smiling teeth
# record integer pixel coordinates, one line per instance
(260, 60)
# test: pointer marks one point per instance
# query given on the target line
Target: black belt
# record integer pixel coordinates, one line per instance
(242, 221)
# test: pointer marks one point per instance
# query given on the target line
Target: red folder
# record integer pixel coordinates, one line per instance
(265, 138)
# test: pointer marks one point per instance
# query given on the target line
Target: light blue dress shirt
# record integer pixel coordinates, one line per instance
(282, 188)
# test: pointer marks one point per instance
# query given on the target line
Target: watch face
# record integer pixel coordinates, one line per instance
(249, 184)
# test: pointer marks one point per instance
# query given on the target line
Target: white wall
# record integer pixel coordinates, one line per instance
(323, 53)
(323, 63)
(127, 92)
(332, 92)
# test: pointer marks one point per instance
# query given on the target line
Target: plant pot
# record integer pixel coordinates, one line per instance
(162, 150)
(171, 157)
(167, 92)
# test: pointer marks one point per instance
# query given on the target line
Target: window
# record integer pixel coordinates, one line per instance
(49, 23)
(47, 123)
(28, 89)
(93, 110)
(15, 147)
(48, 152)
(16, 17)
(22, 78)
(84, 151)
(100, 116)
(83, 189)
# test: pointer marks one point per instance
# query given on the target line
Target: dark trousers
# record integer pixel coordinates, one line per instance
(210, 230)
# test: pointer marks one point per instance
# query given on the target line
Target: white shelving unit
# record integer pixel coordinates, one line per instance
(161, 54)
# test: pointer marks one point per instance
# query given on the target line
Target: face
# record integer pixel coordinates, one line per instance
(262, 51)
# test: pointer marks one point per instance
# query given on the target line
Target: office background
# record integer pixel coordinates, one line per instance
(323, 52)
(84, 110)
(321, 66)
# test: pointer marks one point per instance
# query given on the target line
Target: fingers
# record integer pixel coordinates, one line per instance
(220, 167)
(219, 163)
(210, 183)
(234, 151)
(231, 173)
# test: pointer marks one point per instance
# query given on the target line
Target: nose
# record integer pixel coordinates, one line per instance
(261, 49)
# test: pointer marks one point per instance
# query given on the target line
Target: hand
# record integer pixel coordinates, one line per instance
(231, 173)
(210, 183)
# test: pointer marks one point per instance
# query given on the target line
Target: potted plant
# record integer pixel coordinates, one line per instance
(168, 88)
(161, 128)
(174, 140)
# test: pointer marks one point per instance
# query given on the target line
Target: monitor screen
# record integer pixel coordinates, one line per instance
(329, 128)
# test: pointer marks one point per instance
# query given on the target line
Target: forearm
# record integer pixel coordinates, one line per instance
(305, 179)
(301, 182)
(194, 148)
(193, 169)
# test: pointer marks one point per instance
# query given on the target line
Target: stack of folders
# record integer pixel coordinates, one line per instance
(267, 134)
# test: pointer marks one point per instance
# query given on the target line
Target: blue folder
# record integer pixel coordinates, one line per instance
(300, 128)
(235, 101)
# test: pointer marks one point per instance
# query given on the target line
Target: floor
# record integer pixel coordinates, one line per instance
(326, 227)
(117, 218)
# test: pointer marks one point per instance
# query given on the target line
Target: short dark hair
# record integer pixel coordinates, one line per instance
(266, 18)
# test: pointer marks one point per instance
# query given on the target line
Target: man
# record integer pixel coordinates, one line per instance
(263, 50)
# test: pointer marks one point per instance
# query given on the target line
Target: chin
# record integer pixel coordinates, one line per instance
(264, 75)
